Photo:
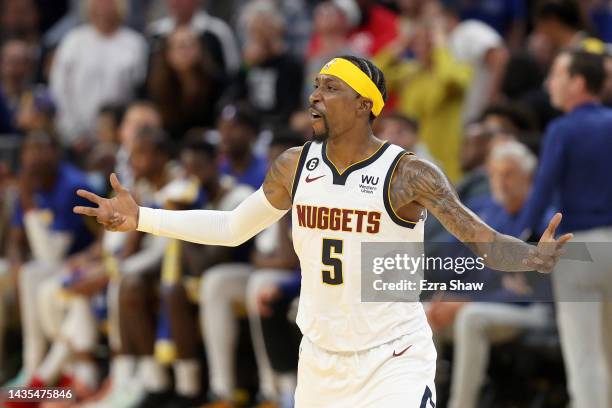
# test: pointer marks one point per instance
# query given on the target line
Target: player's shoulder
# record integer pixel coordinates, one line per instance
(296, 150)
(411, 167)
(412, 161)
(291, 156)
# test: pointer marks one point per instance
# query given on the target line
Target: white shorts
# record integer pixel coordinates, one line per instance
(398, 374)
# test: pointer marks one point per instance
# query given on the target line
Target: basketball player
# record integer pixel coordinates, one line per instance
(353, 354)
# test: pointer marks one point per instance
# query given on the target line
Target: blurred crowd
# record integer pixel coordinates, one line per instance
(188, 101)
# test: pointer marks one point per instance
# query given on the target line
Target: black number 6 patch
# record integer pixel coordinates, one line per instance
(312, 163)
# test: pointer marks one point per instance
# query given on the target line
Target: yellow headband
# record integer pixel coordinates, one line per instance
(356, 79)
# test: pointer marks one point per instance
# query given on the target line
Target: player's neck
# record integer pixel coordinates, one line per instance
(344, 151)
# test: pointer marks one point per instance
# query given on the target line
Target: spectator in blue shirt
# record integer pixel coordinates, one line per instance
(575, 169)
(43, 221)
(508, 304)
(575, 159)
(47, 187)
(238, 129)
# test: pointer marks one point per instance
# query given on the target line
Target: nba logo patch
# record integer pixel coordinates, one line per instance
(329, 64)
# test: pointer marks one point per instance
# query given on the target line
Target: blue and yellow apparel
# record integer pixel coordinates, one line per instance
(184, 194)
(58, 203)
(253, 175)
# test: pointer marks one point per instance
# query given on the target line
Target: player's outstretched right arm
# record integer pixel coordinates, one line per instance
(423, 182)
(230, 228)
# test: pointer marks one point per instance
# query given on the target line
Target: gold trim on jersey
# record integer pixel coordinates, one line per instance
(389, 192)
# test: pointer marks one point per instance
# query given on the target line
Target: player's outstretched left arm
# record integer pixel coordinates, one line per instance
(228, 228)
(422, 182)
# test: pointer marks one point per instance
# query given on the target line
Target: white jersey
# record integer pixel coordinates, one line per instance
(332, 215)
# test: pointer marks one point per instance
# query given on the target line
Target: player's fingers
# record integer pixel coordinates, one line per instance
(114, 180)
(530, 264)
(116, 217)
(94, 198)
(552, 226)
(539, 267)
(89, 211)
(564, 239)
(535, 257)
(103, 221)
(116, 223)
(113, 221)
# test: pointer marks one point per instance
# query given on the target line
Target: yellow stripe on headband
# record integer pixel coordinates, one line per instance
(356, 79)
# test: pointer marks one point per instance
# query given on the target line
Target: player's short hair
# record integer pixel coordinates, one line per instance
(373, 72)
(590, 66)
(567, 12)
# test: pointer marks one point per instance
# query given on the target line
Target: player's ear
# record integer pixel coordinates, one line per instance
(364, 107)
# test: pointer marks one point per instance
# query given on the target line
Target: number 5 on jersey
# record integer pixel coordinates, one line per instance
(330, 248)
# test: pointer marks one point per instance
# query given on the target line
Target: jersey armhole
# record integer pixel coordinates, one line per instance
(298, 169)
(387, 193)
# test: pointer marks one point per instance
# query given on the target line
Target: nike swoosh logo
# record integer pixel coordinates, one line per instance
(395, 354)
(310, 180)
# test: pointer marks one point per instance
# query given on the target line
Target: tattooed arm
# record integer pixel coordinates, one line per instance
(278, 182)
(419, 181)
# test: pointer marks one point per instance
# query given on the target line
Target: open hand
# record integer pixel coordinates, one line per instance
(544, 257)
(119, 213)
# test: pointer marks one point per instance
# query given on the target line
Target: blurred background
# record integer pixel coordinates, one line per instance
(189, 101)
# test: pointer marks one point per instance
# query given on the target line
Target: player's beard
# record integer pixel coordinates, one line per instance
(323, 136)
